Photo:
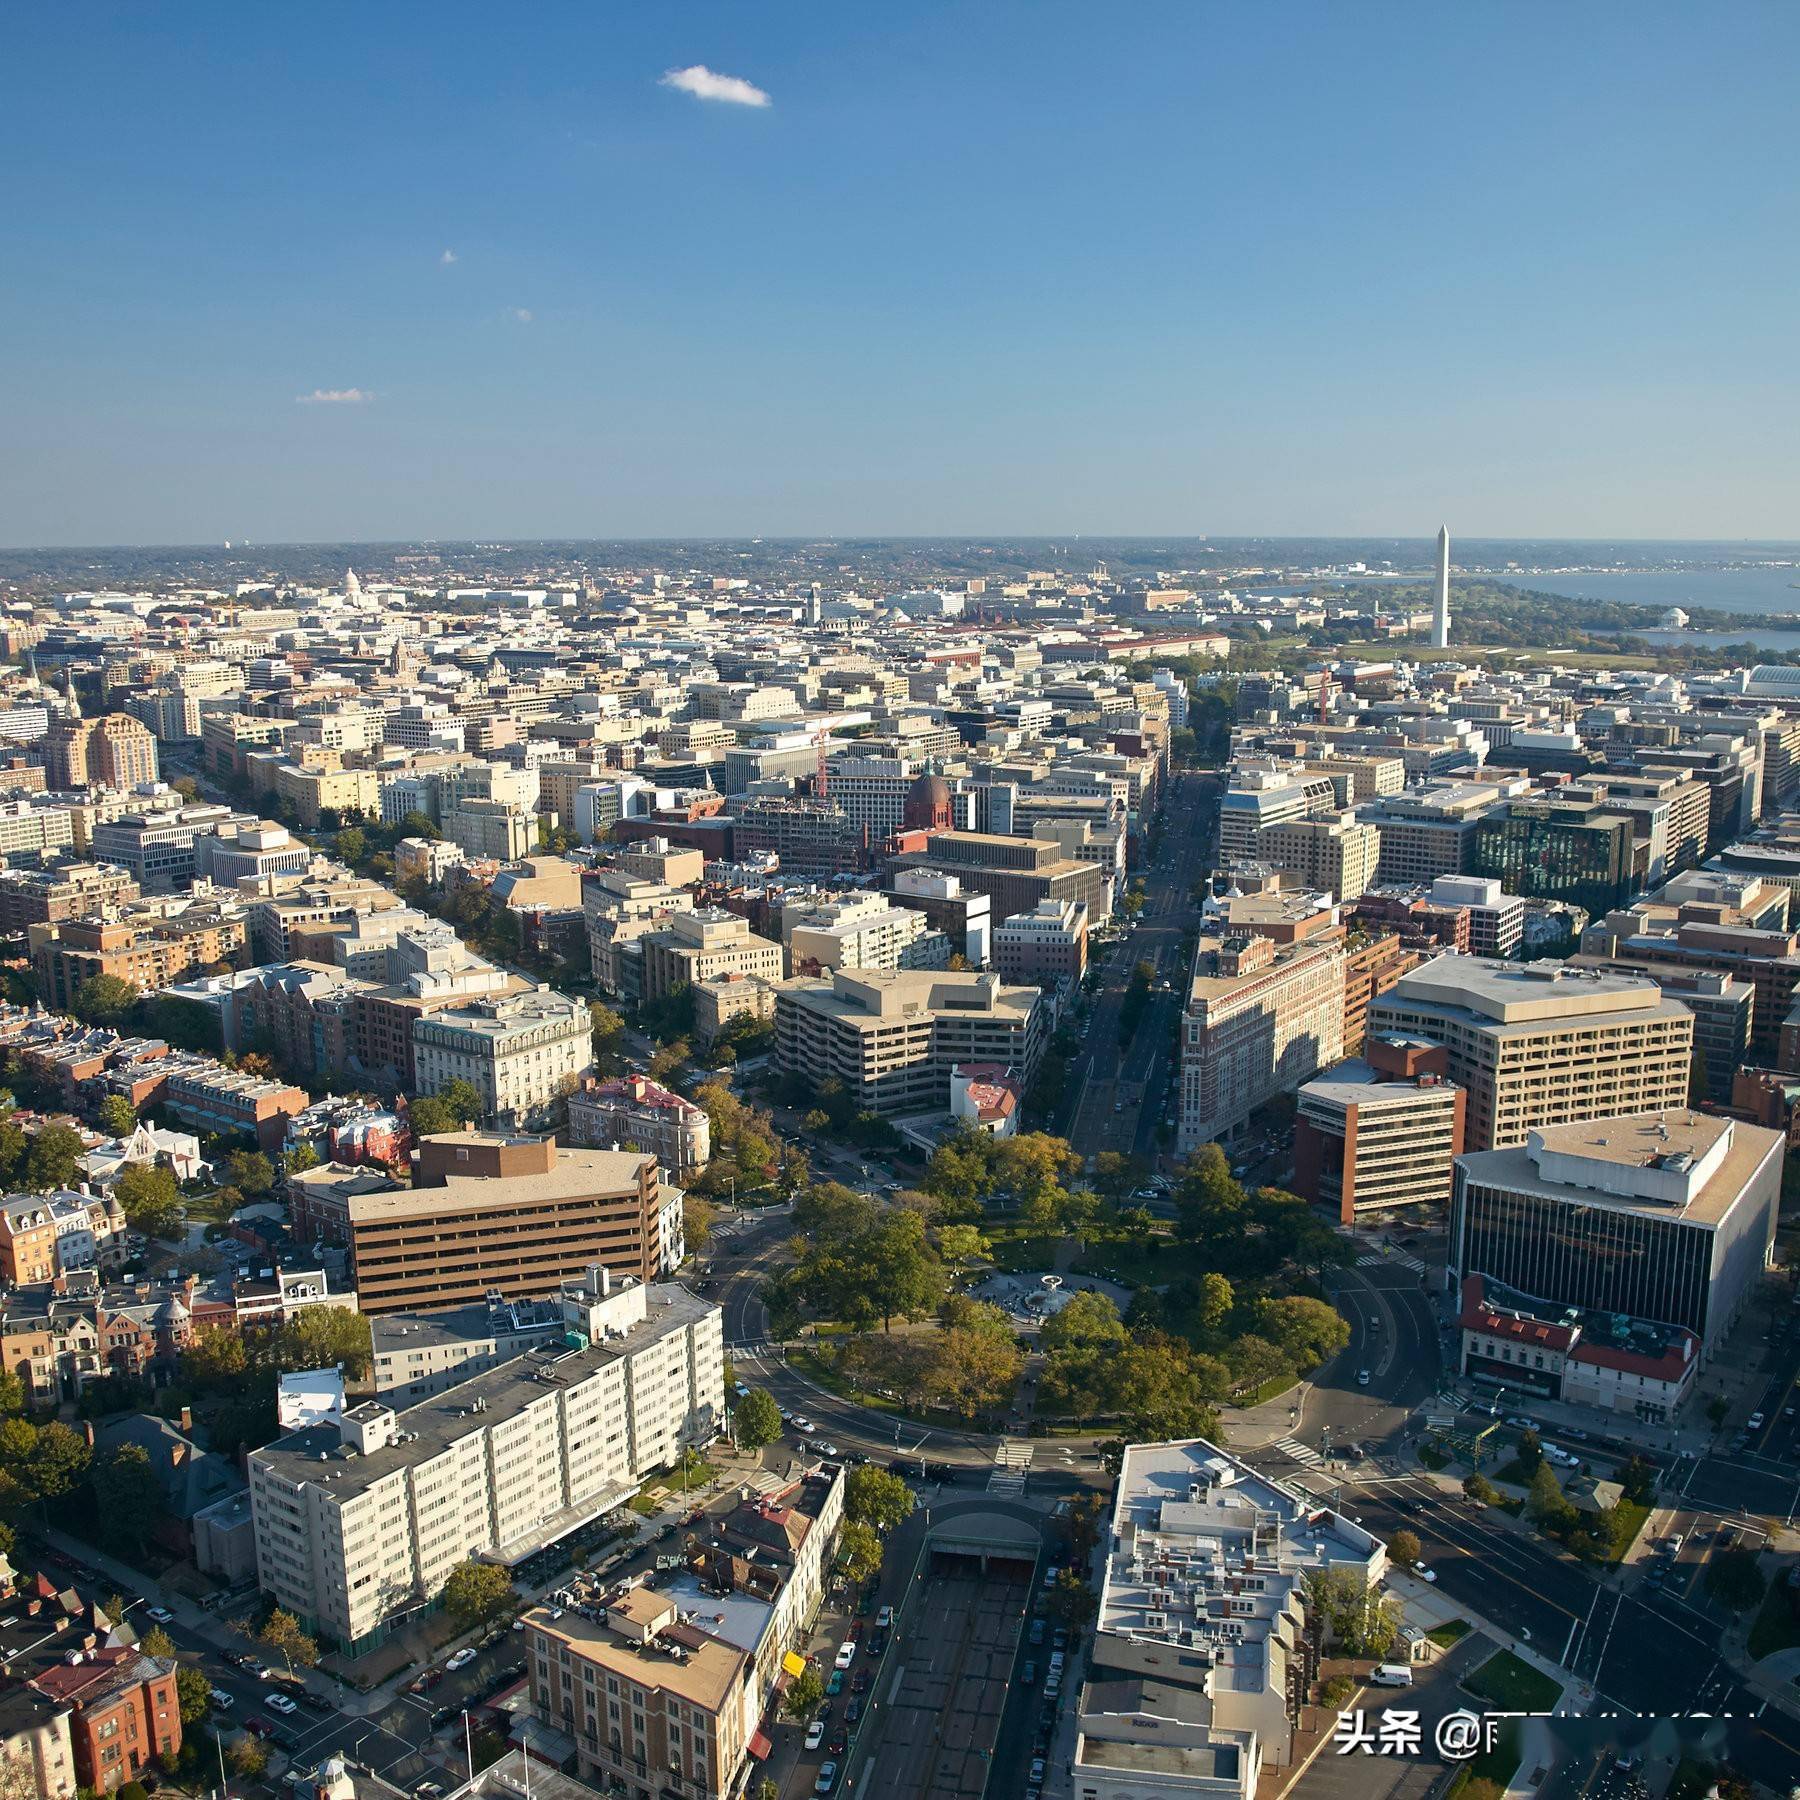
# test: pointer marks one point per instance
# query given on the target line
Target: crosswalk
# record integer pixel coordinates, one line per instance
(1012, 1463)
(1303, 1454)
(1393, 1256)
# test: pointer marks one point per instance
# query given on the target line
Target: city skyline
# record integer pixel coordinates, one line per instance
(810, 273)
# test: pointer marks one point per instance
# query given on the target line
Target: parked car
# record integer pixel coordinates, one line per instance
(827, 1778)
(281, 1703)
(1029, 1674)
(258, 1726)
(815, 1733)
(852, 1712)
(160, 1614)
(313, 1702)
(846, 1655)
(885, 1617)
(836, 1684)
(1362, 1377)
(222, 1700)
(859, 1682)
(461, 1659)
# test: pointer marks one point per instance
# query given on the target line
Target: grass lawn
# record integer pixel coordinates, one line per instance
(642, 1505)
(206, 1209)
(1498, 1765)
(1452, 1631)
(810, 1363)
(1276, 1384)
(1510, 1684)
(1432, 1457)
(1632, 1514)
(1018, 1254)
(1775, 1626)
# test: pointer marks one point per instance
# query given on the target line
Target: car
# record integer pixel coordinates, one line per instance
(251, 1666)
(785, 1416)
(429, 1790)
(461, 1659)
(222, 1700)
(1028, 1674)
(815, 1733)
(258, 1726)
(1575, 1432)
(281, 1703)
(1519, 1422)
(1753, 1423)
(827, 1449)
(853, 1712)
(160, 1614)
(1362, 1377)
(835, 1685)
(1037, 1771)
(801, 1422)
(313, 1702)
(840, 1741)
(425, 1681)
(740, 1389)
(827, 1778)
(884, 1618)
(1059, 1638)
(878, 1644)
(846, 1655)
(859, 1682)
(1425, 1572)
(1037, 1632)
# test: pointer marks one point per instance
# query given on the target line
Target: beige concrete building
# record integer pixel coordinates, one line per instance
(701, 946)
(1045, 946)
(1260, 1018)
(1543, 1043)
(855, 931)
(520, 1051)
(1338, 856)
(718, 1002)
(893, 1036)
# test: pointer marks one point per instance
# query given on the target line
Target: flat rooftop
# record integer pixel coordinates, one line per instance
(318, 1454)
(577, 1173)
(1526, 994)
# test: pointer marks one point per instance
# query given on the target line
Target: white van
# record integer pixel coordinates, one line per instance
(1391, 1675)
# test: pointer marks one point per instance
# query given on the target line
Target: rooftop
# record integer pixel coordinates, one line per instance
(1525, 994)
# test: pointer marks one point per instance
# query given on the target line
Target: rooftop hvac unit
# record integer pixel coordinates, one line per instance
(1155, 1621)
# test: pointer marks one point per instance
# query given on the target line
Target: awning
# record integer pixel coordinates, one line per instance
(760, 1747)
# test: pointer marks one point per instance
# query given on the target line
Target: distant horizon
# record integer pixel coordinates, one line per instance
(514, 541)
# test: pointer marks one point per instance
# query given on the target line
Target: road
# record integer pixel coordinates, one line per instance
(1121, 1097)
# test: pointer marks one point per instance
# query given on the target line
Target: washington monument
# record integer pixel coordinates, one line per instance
(1440, 611)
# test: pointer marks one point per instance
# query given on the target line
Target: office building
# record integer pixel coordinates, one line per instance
(1665, 1215)
(1337, 855)
(362, 1519)
(520, 1052)
(691, 947)
(1044, 948)
(894, 1036)
(156, 848)
(962, 915)
(1015, 873)
(1379, 1131)
(1259, 799)
(492, 1213)
(1203, 1653)
(1543, 1043)
(1578, 851)
(1430, 830)
(859, 931)
(1260, 1018)
(1496, 919)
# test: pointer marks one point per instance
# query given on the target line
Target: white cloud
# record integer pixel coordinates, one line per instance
(447, 258)
(523, 314)
(704, 84)
(335, 397)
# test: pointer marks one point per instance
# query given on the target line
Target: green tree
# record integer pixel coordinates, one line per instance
(1210, 1207)
(431, 1117)
(1638, 1480)
(477, 1592)
(193, 1694)
(1090, 1321)
(301, 1158)
(974, 1370)
(1546, 1502)
(352, 846)
(609, 1038)
(150, 1199)
(320, 1337)
(157, 1642)
(419, 825)
(59, 1460)
(1357, 1617)
(1070, 1601)
(1404, 1549)
(1308, 1331)
(13, 1146)
(669, 1059)
(463, 1099)
(1531, 1451)
(859, 1551)
(252, 1172)
(12, 1394)
(756, 1420)
(117, 1116)
(1480, 1489)
(1734, 1579)
(1160, 1390)
(54, 1159)
(804, 1692)
(876, 1497)
(282, 1633)
(127, 1495)
(697, 1216)
(247, 1756)
(103, 1000)
(962, 1246)
(1216, 1301)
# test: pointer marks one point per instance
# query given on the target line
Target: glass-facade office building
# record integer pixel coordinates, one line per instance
(1546, 851)
(1598, 1257)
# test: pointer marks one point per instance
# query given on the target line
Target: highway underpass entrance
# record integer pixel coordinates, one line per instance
(984, 1543)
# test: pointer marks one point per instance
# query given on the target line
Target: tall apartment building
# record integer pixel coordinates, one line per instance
(487, 1212)
(1665, 1215)
(1379, 1131)
(362, 1519)
(1044, 947)
(60, 891)
(518, 1051)
(893, 1036)
(859, 931)
(1260, 1018)
(1543, 1043)
(1336, 855)
(115, 751)
(701, 946)
(1203, 1652)
(632, 1112)
(37, 831)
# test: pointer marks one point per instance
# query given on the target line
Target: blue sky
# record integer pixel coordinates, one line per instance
(974, 267)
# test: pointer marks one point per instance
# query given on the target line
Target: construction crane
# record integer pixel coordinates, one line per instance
(821, 781)
(1324, 692)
